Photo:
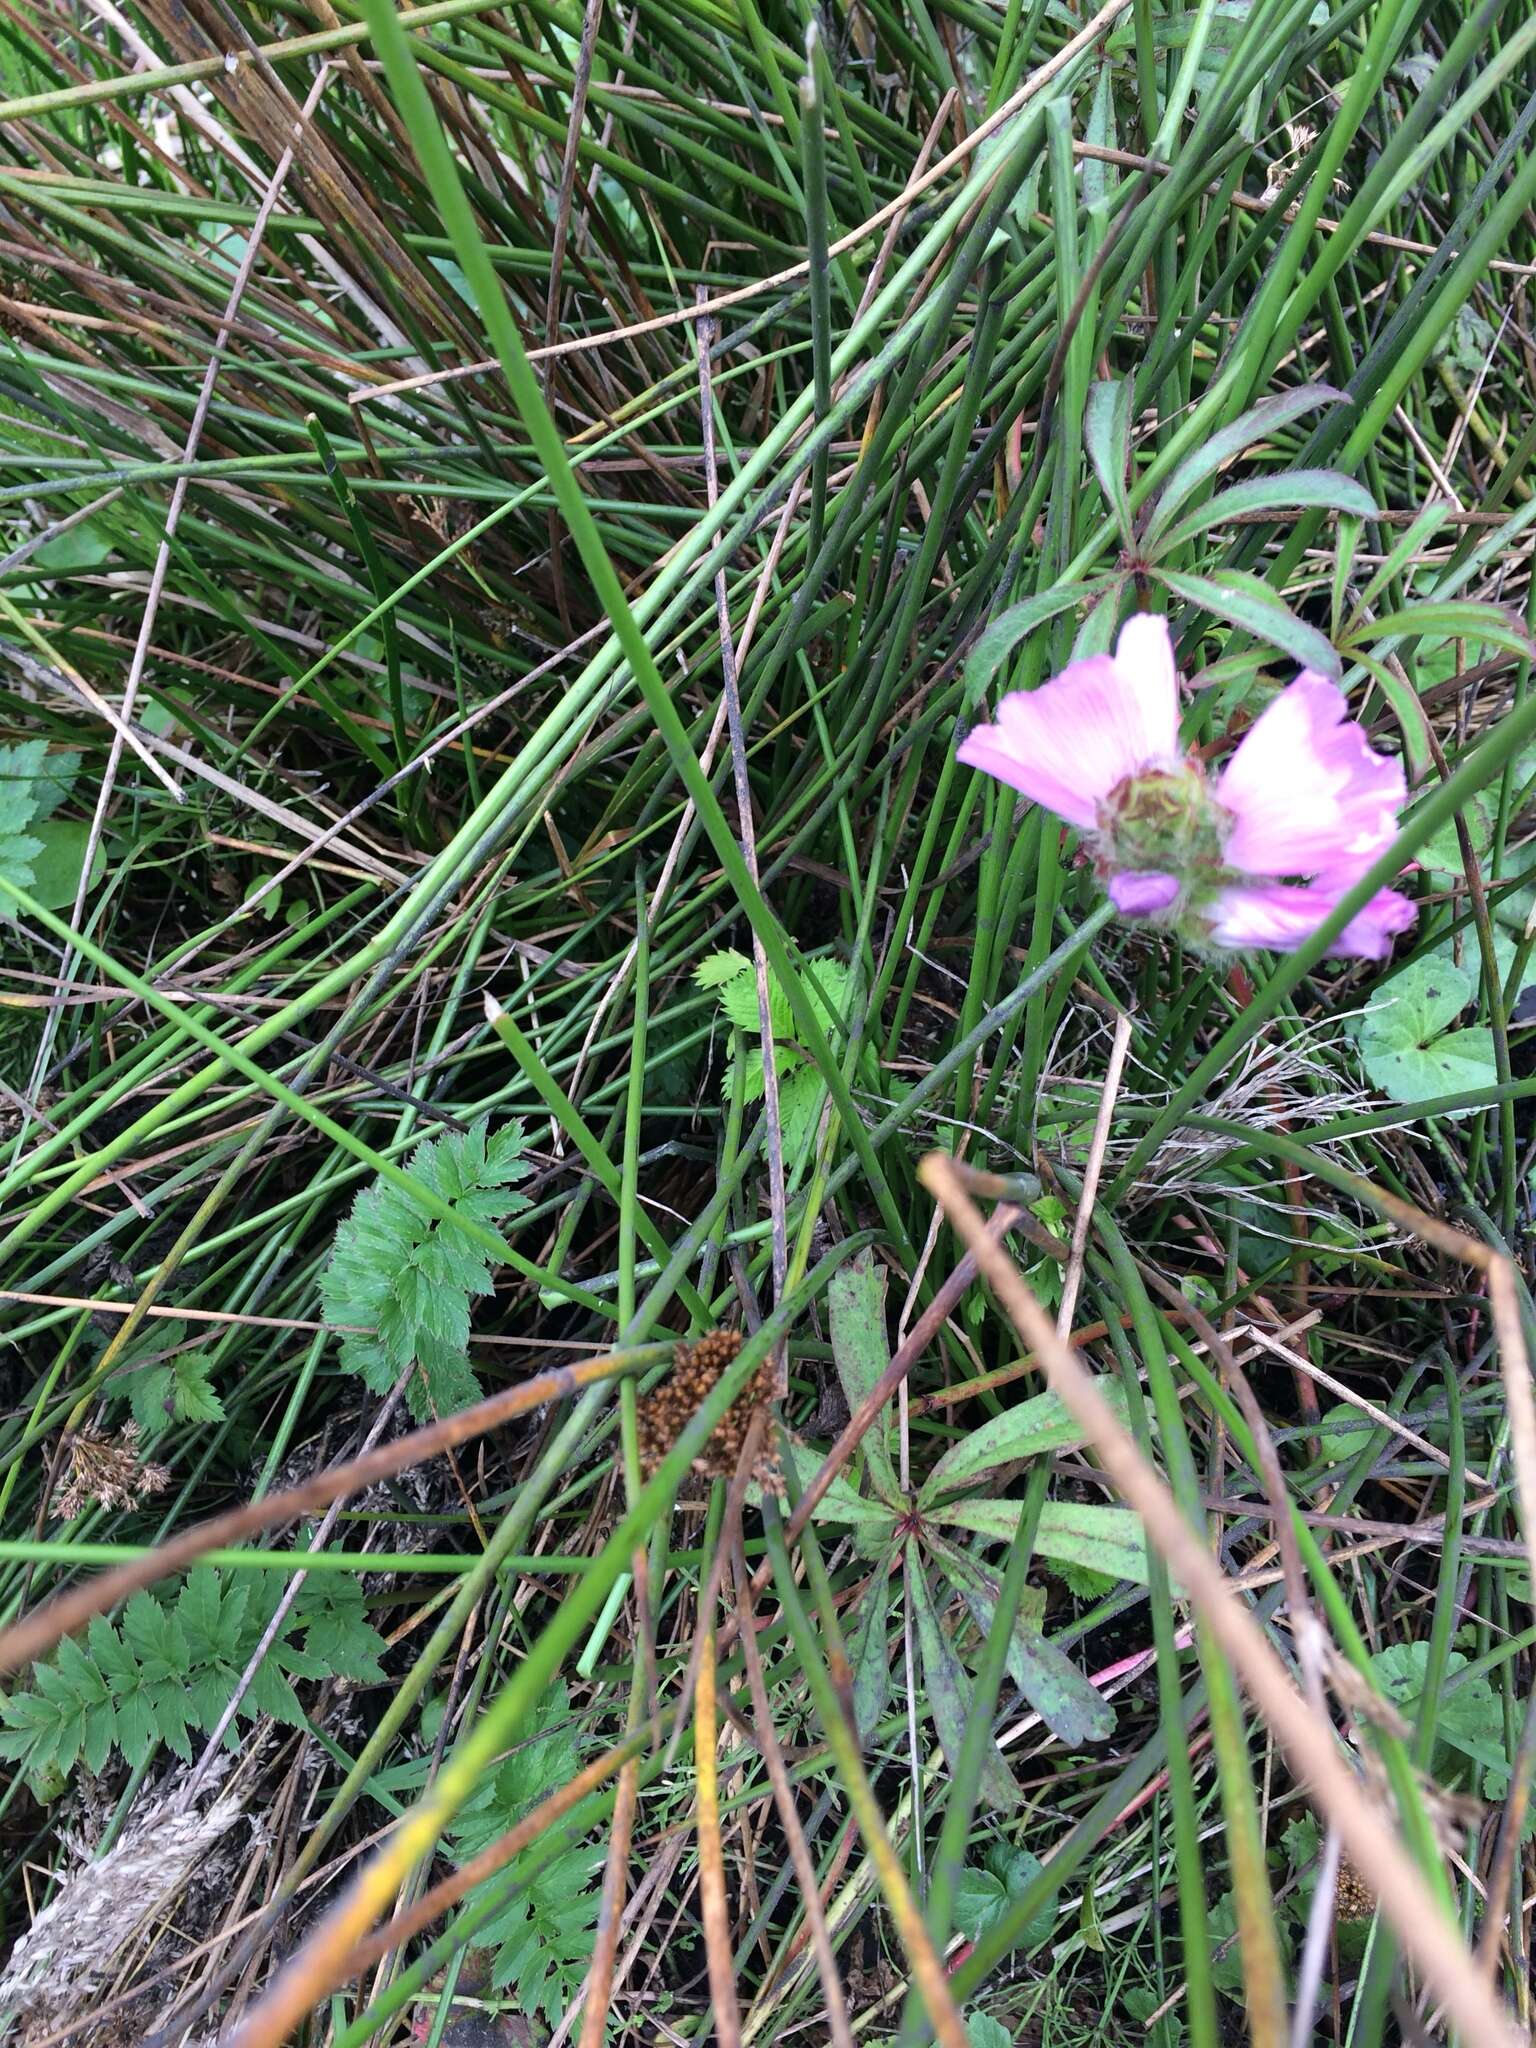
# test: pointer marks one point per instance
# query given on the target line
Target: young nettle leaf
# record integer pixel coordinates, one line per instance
(1406, 1044)
(338, 1634)
(172, 1385)
(41, 854)
(20, 769)
(408, 1279)
(802, 1094)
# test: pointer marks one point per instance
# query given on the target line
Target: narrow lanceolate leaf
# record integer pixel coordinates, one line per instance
(998, 639)
(1244, 601)
(1040, 1424)
(1224, 446)
(1073, 1710)
(948, 1691)
(1294, 490)
(870, 1651)
(1479, 623)
(842, 1502)
(1107, 437)
(1100, 1539)
(856, 1304)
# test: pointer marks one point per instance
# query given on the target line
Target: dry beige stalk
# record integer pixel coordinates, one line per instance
(1429, 1939)
(67, 1956)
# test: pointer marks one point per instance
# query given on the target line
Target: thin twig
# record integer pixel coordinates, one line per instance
(1429, 1939)
(716, 1913)
(773, 1125)
(163, 552)
(36, 1635)
(1073, 1279)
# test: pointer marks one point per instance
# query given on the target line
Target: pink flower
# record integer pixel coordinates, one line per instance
(1070, 743)
(1305, 788)
(1281, 915)
(1304, 796)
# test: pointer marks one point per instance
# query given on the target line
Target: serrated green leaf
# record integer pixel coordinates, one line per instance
(802, 1097)
(55, 784)
(193, 1399)
(271, 1694)
(100, 1736)
(542, 1937)
(136, 1729)
(18, 850)
(21, 767)
(395, 1270)
(715, 970)
(150, 1396)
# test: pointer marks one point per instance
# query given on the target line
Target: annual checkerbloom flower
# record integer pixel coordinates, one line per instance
(1257, 856)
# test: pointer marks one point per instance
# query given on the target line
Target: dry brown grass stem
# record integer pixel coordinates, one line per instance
(717, 1917)
(36, 1635)
(1428, 1938)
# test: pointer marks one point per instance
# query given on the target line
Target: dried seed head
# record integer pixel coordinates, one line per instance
(62, 1963)
(106, 1470)
(666, 1412)
(1355, 1899)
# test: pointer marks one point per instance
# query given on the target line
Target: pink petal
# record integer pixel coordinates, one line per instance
(1306, 788)
(1142, 895)
(1145, 651)
(1072, 741)
(1282, 917)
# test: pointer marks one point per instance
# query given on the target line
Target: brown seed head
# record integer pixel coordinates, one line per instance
(665, 1413)
(1356, 1900)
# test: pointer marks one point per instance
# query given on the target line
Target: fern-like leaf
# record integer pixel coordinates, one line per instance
(408, 1281)
(542, 1936)
(173, 1666)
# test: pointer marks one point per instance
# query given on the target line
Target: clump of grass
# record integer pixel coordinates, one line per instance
(508, 511)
